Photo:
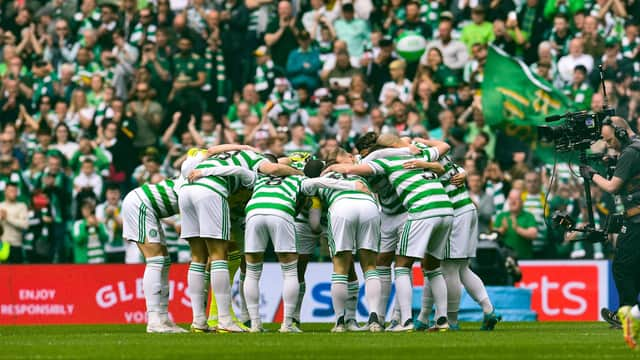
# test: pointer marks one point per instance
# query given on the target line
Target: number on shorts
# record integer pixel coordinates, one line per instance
(428, 175)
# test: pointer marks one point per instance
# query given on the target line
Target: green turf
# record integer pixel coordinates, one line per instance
(509, 341)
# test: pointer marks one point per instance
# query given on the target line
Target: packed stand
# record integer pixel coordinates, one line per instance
(99, 97)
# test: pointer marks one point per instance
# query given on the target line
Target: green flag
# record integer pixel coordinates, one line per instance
(516, 99)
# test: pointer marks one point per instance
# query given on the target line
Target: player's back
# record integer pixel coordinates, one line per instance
(161, 197)
(274, 195)
(330, 196)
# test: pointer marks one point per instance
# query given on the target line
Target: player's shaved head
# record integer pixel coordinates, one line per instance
(388, 140)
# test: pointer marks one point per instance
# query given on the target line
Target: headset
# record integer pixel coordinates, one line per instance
(619, 133)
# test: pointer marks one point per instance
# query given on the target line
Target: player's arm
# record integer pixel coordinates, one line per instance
(361, 169)
(383, 153)
(218, 149)
(311, 186)
(247, 177)
(441, 146)
(269, 168)
(436, 167)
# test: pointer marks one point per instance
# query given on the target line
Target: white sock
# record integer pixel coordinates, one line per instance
(220, 284)
(165, 289)
(207, 289)
(451, 272)
(339, 293)
(635, 312)
(252, 293)
(404, 293)
(384, 273)
(290, 289)
(439, 290)
(196, 289)
(244, 312)
(372, 290)
(152, 287)
(301, 290)
(395, 314)
(351, 305)
(427, 302)
(475, 288)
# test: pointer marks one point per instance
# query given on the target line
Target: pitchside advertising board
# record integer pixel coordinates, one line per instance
(112, 294)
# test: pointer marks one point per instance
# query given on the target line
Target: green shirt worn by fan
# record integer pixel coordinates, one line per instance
(522, 246)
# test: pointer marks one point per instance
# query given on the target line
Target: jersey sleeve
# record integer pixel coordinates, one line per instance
(253, 159)
(383, 153)
(78, 233)
(311, 186)
(246, 177)
(378, 166)
(430, 154)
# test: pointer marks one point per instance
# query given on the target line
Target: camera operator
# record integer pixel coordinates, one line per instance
(626, 183)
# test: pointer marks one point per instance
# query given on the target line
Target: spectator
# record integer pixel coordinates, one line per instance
(147, 115)
(339, 78)
(233, 33)
(281, 34)
(57, 187)
(63, 141)
(319, 14)
(570, 7)
(580, 91)
(576, 56)
(517, 227)
(13, 218)
(266, 72)
(353, 31)
(378, 71)
(89, 236)
(109, 214)
(87, 179)
(188, 77)
(454, 53)
(398, 82)
(298, 143)
(412, 22)
(533, 198)
(478, 31)
(593, 41)
(482, 201)
(532, 22)
(304, 64)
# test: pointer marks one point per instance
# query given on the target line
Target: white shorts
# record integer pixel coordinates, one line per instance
(390, 230)
(353, 224)
(139, 222)
(464, 236)
(307, 239)
(421, 236)
(261, 229)
(204, 213)
(132, 254)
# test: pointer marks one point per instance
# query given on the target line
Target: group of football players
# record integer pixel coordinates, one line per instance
(398, 201)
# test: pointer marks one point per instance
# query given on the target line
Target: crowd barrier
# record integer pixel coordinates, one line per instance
(112, 294)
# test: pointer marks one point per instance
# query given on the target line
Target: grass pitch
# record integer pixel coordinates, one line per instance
(508, 341)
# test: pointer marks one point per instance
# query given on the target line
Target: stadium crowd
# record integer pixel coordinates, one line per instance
(99, 97)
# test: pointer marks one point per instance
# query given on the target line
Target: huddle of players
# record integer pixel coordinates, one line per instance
(416, 215)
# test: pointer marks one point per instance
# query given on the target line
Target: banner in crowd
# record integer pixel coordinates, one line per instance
(112, 294)
(516, 99)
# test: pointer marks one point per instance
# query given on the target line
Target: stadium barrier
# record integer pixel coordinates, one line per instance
(112, 294)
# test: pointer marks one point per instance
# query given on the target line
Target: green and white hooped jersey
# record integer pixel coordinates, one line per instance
(330, 196)
(274, 195)
(160, 197)
(390, 203)
(421, 191)
(224, 186)
(459, 196)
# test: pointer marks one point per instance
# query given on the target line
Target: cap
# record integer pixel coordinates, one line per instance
(322, 94)
(397, 64)
(261, 51)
